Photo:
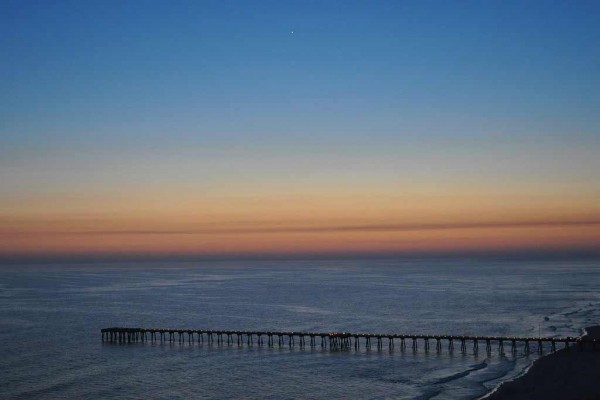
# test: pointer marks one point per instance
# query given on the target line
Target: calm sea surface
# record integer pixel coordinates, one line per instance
(51, 316)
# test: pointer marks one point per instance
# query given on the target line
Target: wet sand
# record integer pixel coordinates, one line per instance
(572, 375)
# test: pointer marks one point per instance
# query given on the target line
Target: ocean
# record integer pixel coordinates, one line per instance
(51, 316)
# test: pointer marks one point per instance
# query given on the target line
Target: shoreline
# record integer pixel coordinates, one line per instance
(565, 374)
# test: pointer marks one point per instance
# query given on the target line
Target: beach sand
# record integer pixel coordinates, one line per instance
(572, 375)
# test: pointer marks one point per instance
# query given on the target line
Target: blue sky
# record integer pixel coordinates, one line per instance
(93, 69)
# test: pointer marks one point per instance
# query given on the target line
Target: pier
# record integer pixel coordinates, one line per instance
(344, 340)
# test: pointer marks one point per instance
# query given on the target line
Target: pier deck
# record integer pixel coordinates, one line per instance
(341, 340)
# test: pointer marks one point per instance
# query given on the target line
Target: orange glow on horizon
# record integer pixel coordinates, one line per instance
(299, 224)
(298, 240)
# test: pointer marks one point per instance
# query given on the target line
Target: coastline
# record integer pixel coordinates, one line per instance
(566, 374)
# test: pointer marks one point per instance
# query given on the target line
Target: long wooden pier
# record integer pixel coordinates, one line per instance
(342, 340)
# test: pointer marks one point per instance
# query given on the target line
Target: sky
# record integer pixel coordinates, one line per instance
(290, 128)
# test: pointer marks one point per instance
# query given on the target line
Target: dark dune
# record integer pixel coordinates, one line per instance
(572, 375)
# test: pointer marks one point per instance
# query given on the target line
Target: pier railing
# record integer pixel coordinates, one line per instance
(342, 340)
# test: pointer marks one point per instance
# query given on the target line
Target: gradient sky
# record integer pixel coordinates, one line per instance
(299, 127)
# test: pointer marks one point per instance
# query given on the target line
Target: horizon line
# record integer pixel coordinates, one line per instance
(535, 254)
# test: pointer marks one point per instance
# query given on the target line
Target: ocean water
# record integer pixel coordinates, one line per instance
(51, 316)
